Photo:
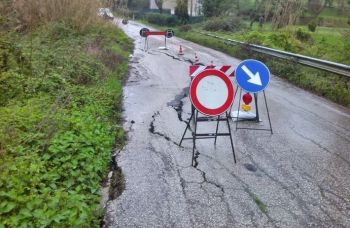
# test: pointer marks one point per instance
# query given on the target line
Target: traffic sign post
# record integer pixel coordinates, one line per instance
(211, 93)
(252, 76)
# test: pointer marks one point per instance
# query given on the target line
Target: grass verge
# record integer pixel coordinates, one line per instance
(60, 102)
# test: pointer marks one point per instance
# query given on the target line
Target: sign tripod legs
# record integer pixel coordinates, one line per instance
(146, 44)
(196, 135)
(256, 118)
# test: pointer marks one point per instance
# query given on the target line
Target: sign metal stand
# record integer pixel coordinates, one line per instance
(196, 135)
(256, 118)
(252, 76)
(211, 93)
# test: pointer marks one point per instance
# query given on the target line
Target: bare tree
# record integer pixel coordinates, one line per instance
(286, 13)
(268, 6)
(181, 11)
(214, 8)
(256, 10)
(236, 3)
(315, 6)
(159, 4)
(118, 3)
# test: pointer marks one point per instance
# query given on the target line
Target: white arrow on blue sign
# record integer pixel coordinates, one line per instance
(252, 75)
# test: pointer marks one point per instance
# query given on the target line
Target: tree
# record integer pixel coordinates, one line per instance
(181, 11)
(159, 4)
(138, 3)
(349, 16)
(256, 11)
(286, 13)
(214, 8)
(237, 4)
(117, 4)
(315, 6)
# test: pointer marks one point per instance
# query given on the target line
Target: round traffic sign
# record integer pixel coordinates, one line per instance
(252, 75)
(142, 32)
(169, 33)
(211, 92)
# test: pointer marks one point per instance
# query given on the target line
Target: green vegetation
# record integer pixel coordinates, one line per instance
(224, 24)
(60, 100)
(258, 202)
(161, 19)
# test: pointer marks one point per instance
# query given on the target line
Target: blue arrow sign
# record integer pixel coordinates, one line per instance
(252, 75)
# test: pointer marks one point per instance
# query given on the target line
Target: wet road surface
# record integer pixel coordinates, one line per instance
(296, 177)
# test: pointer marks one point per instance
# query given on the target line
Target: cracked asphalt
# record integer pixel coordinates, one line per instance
(296, 177)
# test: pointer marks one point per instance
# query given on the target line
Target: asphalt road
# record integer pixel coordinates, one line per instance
(294, 174)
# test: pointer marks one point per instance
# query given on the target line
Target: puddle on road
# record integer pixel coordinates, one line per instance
(250, 167)
(177, 103)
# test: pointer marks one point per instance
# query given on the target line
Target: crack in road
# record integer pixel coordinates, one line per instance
(177, 103)
(188, 176)
(242, 182)
(183, 59)
(152, 129)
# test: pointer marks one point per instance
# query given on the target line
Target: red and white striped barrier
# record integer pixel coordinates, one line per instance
(227, 69)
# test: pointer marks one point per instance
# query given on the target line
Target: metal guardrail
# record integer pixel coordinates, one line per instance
(338, 68)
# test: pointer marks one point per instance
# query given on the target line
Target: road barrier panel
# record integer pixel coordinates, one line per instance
(145, 32)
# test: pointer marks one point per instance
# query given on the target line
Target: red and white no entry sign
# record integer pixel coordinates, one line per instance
(211, 92)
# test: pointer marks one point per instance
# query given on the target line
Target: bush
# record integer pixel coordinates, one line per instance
(196, 19)
(77, 14)
(280, 39)
(255, 37)
(345, 57)
(161, 19)
(320, 21)
(224, 24)
(185, 28)
(312, 26)
(303, 35)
